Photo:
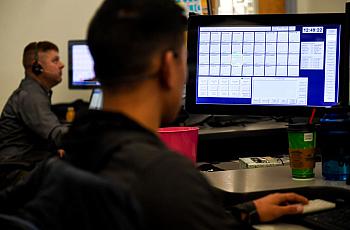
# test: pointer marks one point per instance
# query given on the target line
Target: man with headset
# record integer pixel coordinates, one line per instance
(139, 53)
(29, 130)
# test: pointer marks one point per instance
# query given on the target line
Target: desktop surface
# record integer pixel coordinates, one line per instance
(266, 179)
(249, 184)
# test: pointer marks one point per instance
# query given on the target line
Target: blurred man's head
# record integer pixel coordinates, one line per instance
(41, 60)
(133, 41)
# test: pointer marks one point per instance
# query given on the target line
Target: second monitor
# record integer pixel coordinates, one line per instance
(81, 73)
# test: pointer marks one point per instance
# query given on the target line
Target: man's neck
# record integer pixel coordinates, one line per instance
(39, 80)
(143, 106)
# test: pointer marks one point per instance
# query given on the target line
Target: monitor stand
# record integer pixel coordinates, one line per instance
(234, 120)
(196, 119)
(222, 120)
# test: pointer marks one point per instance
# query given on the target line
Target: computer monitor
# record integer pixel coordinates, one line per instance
(80, 66)
(284, 64)
(96, 101)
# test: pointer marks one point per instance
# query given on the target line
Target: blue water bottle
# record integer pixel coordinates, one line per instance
(334, 146)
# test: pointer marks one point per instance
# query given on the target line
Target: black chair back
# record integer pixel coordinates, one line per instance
(70, 198)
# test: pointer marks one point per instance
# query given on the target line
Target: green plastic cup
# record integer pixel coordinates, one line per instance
(302, 144)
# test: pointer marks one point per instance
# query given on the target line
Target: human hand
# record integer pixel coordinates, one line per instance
(60, 153)
(275, 205)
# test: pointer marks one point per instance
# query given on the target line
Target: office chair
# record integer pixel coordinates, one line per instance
(14, 165)
(12, 171)
(59, 196)
(10, 222)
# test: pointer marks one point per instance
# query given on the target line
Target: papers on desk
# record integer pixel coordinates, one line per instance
(259, 162)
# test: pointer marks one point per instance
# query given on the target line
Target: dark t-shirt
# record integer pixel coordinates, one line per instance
(171, 192)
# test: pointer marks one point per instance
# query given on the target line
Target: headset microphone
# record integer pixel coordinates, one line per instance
(37, 69)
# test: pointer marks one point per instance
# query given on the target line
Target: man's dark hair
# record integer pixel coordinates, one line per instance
(31, 48)
(124, 34)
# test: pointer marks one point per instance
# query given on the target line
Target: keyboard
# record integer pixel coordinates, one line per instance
(334, 219)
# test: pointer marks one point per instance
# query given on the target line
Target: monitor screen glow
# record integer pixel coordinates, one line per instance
(96, 99)
(81, 66)
(260, 62)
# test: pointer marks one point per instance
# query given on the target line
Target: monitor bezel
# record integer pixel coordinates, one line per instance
(71, 84)
(347, 57)
(267, 19)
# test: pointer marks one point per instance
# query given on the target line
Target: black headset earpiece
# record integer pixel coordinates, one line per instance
(37, 69)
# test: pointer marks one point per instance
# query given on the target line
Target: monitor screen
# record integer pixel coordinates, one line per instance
(266, 64)
(96, 99)
(80, 66)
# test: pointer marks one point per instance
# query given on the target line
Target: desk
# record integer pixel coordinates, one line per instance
(217, 144)
(263, 179)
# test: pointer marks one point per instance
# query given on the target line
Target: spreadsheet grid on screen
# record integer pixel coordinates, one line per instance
(294, 65)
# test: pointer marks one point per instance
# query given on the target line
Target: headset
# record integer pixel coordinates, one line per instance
(37, 69)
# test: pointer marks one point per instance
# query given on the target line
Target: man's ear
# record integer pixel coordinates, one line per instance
(168, 69)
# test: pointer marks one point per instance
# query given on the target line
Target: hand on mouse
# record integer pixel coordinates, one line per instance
(275, 205)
